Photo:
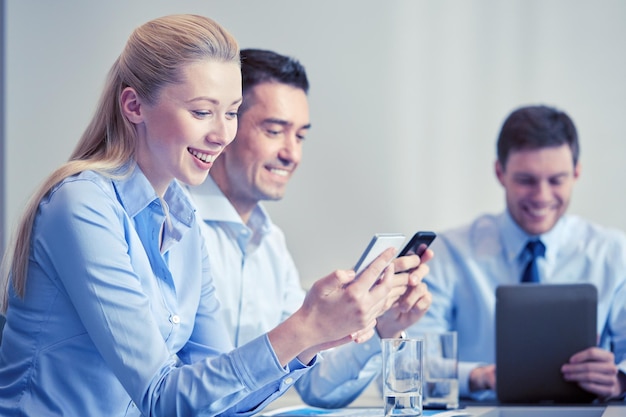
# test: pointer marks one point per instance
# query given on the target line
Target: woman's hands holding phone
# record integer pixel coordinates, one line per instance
(337, 309)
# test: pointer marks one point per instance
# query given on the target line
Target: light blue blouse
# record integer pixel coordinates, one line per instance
(471, 261)
(113, 325)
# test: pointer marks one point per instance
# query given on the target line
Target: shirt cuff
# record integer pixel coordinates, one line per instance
(363, 352)
(296, 364)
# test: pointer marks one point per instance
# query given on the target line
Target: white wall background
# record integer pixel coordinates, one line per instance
(406, 101)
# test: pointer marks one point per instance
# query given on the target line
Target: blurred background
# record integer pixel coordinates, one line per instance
(407, 98)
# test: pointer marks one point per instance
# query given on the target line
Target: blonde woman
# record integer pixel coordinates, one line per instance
(109, 300)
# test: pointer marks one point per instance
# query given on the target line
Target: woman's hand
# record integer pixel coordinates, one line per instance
(337, 309)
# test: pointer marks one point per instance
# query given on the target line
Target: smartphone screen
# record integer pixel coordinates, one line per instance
(418, 243)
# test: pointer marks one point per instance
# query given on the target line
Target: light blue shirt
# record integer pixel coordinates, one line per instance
(471, 261)
(259, 286)
(113, 325)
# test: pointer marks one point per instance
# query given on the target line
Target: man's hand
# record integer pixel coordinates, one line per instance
(410, 298)
(482, 378)
(595, 371)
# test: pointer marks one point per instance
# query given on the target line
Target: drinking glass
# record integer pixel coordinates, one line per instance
(402, 376)
(441, 379)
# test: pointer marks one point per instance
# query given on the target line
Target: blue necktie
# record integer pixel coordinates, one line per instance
(536, 248)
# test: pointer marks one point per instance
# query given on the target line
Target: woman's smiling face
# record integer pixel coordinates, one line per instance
(191, 122)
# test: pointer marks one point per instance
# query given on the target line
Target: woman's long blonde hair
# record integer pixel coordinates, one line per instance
(151, 59)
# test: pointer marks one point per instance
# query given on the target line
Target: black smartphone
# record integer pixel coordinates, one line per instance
(418, 243)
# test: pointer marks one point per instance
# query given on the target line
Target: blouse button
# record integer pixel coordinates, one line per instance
(175, 319)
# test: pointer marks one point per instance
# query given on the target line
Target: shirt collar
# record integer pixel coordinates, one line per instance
(135, 193)
(213, 206)
(514, 238)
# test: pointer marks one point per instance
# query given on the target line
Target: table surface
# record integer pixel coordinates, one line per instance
(371, 399)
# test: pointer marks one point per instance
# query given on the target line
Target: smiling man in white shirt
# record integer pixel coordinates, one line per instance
(255, 277)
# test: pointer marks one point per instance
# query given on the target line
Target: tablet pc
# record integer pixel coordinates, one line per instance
(538, 328)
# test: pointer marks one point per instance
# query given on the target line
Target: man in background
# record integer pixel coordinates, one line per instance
(255, 277)
(537, 165)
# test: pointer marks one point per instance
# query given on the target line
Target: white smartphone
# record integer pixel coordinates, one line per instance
(377, 245)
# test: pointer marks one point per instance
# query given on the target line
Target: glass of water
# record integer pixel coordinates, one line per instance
(441, 377)
(402, 376)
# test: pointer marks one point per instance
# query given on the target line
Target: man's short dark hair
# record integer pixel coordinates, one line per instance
(260, 66)
(534, 127)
